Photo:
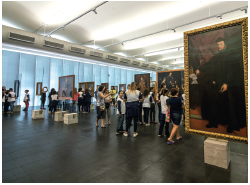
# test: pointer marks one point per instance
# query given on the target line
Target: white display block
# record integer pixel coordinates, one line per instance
(38, 114)
(17, 108)
(92, 106)
(217, 152)
(70, 118)
(59, 116)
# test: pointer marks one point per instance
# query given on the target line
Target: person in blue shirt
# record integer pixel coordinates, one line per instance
(87, 101)
(176, 105)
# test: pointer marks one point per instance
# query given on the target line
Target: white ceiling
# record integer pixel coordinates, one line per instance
(117, 21)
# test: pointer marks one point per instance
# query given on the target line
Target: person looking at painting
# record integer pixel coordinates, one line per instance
(11, 100)
(140, 109)
(176, 105)
(113, 92)
(147, 100)
(100, 106)
(43, 97)
(26, 100)
(74, 101)
(152, 106)
(50, 107)
(80, 100)
(164, 110)
(108, 101)
(132, 98)
(223, 80)
(158, 99)
(121, 112)
(54, 102)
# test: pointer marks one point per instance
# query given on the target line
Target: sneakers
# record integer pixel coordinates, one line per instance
(134, 135)
(147, 124)
(126, 135)
(117, 133)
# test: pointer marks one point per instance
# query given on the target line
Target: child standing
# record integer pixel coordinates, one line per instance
(164, 109)
(54, 100)
(121, 110)
(11, 100)
(80, 100)
(26, 100)
(87, 101)
(147, 100)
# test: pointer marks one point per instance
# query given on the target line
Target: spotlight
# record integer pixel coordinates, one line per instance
(95, 11)
(245, 10)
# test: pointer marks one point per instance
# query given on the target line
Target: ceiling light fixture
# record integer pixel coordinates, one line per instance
(245, 10)
(161, 52)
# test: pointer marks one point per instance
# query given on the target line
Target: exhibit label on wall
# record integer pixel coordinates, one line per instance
(216, 75)
(143, 81)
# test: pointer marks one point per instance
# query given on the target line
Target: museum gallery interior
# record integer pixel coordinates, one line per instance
(124, 91)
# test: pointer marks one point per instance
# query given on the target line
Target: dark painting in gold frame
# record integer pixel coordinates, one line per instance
(209, 69)
(122, 87)
(90, 86)
(106, 85)
(83, 85)
(66, 87)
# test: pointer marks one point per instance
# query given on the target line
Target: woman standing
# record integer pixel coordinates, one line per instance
(43, 97)
(176, 105)
(107, 102)
(147, 100)
(100, 106)
(132, 97)
(158, 98)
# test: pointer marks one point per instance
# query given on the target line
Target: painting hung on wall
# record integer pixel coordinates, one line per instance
(16, 88)
(97, 87)
(106, 85)
(143, 81)
(153, 84)
(82, 85)
(122, 87)
(90, 86)
(66, 87)
(216, 64)
(39, 88)
(172, 79)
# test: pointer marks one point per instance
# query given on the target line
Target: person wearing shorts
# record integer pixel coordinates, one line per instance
(113, 92)
(176, 105)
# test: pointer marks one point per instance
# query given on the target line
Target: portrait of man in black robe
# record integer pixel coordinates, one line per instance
(220, 81)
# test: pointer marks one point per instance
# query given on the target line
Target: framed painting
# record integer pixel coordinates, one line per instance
(16, 87)
(106, 85)
(216, 81)
(82, 85)
(122, 87)
(39, 88)
(90, 86)
(143, 81)
(153, 84)
(172, 79)
(97, 88)
(66, 87)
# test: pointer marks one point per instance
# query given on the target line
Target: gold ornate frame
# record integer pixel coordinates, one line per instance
(120, 87)
(73, 89)
(107, 85)
(92, 91)
(244, 24)
(40, 88)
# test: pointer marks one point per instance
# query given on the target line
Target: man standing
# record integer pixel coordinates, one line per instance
(223, 81)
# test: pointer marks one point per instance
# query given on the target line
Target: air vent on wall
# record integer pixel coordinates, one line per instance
(110, 57)
(77, 50)
(23, 38)
(53, 44)
(159, 68)
(135, 63)
(145, 65)
(152, 67)
(124, 60)
(96, 54)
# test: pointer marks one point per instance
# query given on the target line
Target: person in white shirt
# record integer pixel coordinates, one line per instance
(11, 100)
(147, 100)
(54, 99)
(152, 108)
(26, 100)
(121, 111)
(80, 100)
(164, 108)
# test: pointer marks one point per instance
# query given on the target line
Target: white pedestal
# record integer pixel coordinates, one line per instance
(59, 116)
(92, 106)
(17, 108)
(70, 118)
(38, 114)
(217, 152)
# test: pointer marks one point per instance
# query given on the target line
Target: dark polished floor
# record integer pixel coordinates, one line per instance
(48, 151)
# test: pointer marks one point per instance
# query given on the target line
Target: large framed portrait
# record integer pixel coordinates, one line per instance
(143, 81)
(122, 87)
(216, 76)
(172, 79)
(16, 87)
(90, 86)
(82, 85)
(39, 88)
(153, 84)
(106, 85)
(66, 87)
